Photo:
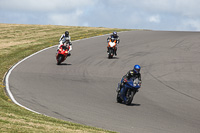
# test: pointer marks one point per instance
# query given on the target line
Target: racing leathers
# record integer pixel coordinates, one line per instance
(64, 36)
(116, 38)
(65, 41)
(130, 75)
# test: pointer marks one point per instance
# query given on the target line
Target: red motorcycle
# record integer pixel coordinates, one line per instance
(62, 54)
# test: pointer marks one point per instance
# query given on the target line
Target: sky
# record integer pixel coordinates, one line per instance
(168, 15)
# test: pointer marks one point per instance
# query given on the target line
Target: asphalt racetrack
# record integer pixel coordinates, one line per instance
(83, 88)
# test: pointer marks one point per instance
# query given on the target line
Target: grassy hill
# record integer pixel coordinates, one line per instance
(17, 41)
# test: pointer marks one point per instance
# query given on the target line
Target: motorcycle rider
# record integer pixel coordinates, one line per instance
(133, 74)
(65, 43)
(116, 37)
(66, 40)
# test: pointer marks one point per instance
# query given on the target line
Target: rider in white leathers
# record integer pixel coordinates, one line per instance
(65, 39)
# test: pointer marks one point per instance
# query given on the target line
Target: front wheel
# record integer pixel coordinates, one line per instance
(129, 96)
(110, 53)
(59, 60)
(119, 100)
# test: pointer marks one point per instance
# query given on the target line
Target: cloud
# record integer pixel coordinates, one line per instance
(66, 18)
(57, 12)
(154, 19)
(44, 5)
(189, 24)
(145, 14)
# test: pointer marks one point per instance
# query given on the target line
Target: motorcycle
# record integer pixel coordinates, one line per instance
(61, 55)
(111, 48)
(131, 88)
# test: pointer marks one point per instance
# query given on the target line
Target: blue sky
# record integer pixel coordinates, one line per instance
(175, 15)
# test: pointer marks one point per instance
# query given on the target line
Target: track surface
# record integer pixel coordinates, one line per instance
(82, 89)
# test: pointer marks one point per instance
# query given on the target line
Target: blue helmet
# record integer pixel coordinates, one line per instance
(136, 68)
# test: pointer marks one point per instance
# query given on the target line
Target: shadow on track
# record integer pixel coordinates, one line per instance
(64, 64)
(132, 104)
(113, 58)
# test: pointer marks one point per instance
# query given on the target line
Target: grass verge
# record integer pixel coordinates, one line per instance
(17, 41)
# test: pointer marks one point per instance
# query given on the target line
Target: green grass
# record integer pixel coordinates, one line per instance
(19, 41)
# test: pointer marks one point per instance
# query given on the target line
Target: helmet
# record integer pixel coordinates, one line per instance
(66, 33)
(114, 33)
(136, 68)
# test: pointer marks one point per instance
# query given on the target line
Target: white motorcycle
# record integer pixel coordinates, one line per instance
(111, 48)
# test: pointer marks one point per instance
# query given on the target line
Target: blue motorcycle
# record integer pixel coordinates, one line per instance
(128, 91)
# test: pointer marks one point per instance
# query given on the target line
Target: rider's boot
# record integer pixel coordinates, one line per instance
(115, 51)
(69, 54)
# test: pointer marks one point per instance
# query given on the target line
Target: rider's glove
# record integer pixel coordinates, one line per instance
(125, 80)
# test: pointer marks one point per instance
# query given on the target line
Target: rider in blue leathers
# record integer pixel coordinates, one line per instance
(133, 74)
